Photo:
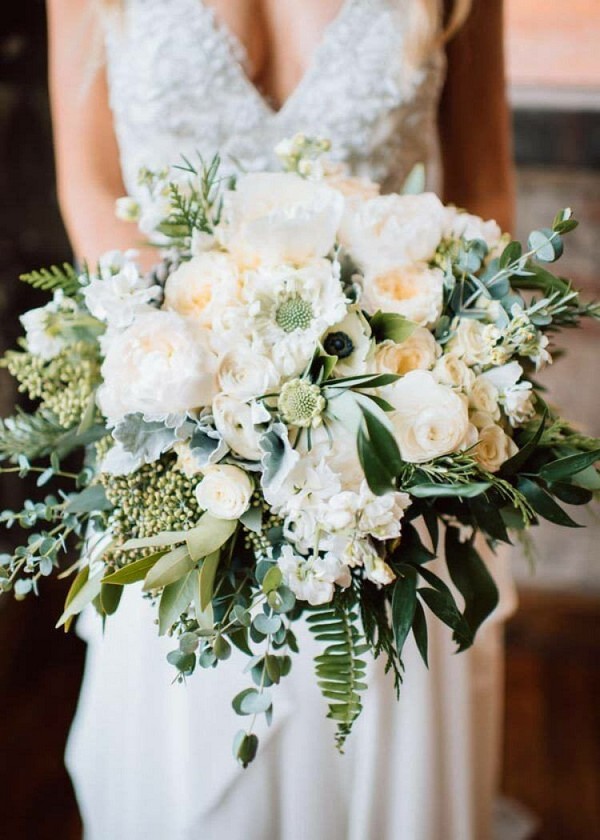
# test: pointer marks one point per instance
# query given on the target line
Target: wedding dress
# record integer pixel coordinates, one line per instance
(151, 759)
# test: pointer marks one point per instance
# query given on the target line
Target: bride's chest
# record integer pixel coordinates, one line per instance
(178, 83)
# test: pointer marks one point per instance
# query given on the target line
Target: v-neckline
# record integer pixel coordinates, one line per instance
(237, 52)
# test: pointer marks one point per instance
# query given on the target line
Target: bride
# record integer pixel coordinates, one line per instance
(382, 81)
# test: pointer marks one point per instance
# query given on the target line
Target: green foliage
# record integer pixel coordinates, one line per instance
(197, 206)
(340, 670)
(63, 277)
(34, 436)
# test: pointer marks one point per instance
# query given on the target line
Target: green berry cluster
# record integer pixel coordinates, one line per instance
(157, 497)
(63, 384)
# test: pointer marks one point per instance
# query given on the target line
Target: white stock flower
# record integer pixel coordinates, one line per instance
(43, 338)
(415, 291)
(202, 287)
(392, 230)
(471, 342)
(120, 292)
(312, 578)
(280, 217)
(127, 209)
(494, 447)
(517, 402)
(418, 352)
(224, 491)
(452, 371)
(245, 374)
(159, 365)
(289, 309)
(355, 552)
(235, 422)
(429, 419)
(380, 515)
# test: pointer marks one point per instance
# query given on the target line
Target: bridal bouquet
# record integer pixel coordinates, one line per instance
(275, 422)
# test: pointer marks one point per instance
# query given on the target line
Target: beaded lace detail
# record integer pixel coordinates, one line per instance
(178, 86)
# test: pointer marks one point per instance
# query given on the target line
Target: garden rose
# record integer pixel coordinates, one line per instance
(225, 491)
(202, 287)
(494, 447)
(418, 352)
(414, 291)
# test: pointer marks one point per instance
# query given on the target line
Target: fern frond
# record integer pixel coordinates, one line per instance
(56, 277)
(340, 670)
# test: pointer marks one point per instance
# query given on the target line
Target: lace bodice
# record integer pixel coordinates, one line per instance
(177, 85)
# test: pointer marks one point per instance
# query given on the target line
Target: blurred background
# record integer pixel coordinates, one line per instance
(552, 746)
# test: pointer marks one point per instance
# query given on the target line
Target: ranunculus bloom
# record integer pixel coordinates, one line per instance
(429, 419)
(160, 365)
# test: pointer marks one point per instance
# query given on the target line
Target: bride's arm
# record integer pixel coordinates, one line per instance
(475, 119)
(88, 174)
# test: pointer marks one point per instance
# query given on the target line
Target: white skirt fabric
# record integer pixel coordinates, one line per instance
(152, 760)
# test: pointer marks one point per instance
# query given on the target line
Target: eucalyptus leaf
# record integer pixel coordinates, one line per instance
(209, 535)
(80, 596)
(169, 568)
(90, 500)
(133, 572)
(206, 583)
(110, 597)
(175, 599)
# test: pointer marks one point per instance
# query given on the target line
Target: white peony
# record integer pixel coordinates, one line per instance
(202, 287)
(429, 419)
(245, 374)
(280, 217)
(494, 447)
(418, 352)
(120, 292)
(415, 291)
(234, 421)
(225, 491)
(460, 225)
(452, 371)
(160, 365)
(392, 230)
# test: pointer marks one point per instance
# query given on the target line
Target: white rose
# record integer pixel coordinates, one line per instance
(202, 287)
(244, 374)
(390, 230)
(160, 365)
(235, 422)
(225, 491)
(484, 396)
(494, 448)
(415, 291)
(471, 342)
(418, 352)
(280, 217)
(116, 298)
(452, 371)
(429, 419)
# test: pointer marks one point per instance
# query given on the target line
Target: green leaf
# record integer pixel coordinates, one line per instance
(548, 246)
(135, 571)
(245, 747)
(411, 549)
(389, 326)
(83, 591)
(588, 478)
(383, 442)
(209, 535)
(175, 599)
(110, 596)
(514, 464)
(206, 583)
(462, 491)
(163, 540)
(63, 277)
(489, 519)
(78, 582)
(272, 579)
(90, 500)
(566, 467)
(404, 600)
(254, 702)
(472, 579)
(544, 505)
(169, 568)
(419, 629)
(571, 494)
(376, 472)
(511, 254)
(252, 519)
(445, 609)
